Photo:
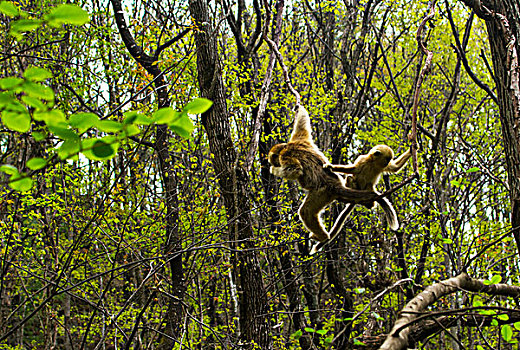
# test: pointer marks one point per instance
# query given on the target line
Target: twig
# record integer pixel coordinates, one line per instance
(274, 48)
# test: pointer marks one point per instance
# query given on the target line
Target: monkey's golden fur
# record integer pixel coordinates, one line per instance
(364, 174)
(301, 160)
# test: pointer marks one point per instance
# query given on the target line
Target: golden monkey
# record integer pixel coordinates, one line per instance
(364, 174)
(301, 160)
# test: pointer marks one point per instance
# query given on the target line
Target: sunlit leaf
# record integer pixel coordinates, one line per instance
(198, 105)
(164, 115)
(21, 182)
(507, 332)
(36, 163)
(34, 103)
(63, 132)
(83, 121)
(37, 90)
(503, 317)
(182, 126)
(109, 126)
(37, 74)
(8, 169)
(52, 117)
(9, 9)
(69, 148)
(10, 82)
(67, 14)
(24, 25)
(6, 98)
(16, 121)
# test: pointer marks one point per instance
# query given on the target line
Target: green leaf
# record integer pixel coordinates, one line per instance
(24, 25)
(109, 126)
(507, 332)
(6, 98)
(131, 130)
(142, 120)
(130, 117)
(69, 148)
(308, 329)
(164, 115)
(20, 182)
(9, 9)
(37, 90)
(480, 347)
(83, 121)
(322, 331)
(477, 303)
(63, 132)
(297, 335)
(10, 82)
(34, 103)
(472, 170)
(38, 135)
(100, 149)
(503, 317)
(16, 121)
(447, 241)
(517, 326)
(496, 279)
(8, 169)
(494, 322)
(36, 163)
(359, 290)
(198, 106)
(182, 126)
(67, 14)
(53, 117)
(37, 74)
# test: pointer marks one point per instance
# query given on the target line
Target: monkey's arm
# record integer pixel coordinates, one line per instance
(399, 163)
(340, 168)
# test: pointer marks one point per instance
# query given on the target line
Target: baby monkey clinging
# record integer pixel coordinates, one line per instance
(364, 174)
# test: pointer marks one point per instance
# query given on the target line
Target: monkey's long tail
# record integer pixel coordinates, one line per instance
(338, 225)
(390, 214)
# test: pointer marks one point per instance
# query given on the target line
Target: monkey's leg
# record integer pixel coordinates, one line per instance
(310, 213)
(335, 229)
(391, 216)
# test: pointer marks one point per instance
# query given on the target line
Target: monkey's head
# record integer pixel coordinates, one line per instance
(274, 154)
(381, 155)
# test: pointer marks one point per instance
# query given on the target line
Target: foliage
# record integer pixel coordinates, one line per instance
(86, 210)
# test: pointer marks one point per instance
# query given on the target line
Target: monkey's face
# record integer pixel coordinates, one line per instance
(381, 155)
(274, 154)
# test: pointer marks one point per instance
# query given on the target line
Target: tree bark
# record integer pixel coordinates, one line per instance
(233, 181)
(503, 25)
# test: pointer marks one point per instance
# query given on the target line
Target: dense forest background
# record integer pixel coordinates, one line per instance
(136, 214)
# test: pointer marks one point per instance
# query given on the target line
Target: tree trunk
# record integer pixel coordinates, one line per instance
(233, 180)
(503, 32)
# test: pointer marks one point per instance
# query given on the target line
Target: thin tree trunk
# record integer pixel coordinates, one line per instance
(233, 181)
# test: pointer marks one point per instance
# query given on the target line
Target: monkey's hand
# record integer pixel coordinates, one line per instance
(327, 166)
